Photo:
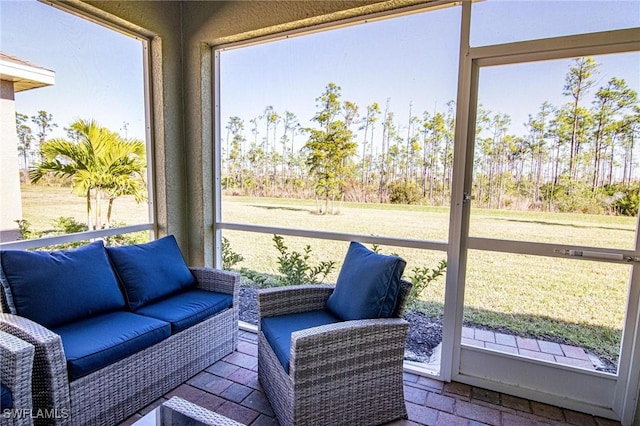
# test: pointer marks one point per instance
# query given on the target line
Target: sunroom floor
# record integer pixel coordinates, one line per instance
(230, 387)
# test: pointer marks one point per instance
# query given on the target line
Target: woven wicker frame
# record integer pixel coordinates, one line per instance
(110, 395)
(178, 412)
(344, 373)
(16, 363)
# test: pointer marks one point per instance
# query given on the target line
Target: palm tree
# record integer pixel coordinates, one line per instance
(100, 164)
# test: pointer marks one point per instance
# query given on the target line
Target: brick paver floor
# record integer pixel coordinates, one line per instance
(230, 387)
(532, 348)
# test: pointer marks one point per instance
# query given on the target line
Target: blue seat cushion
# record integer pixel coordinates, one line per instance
(6, 399)
(96, 342)
(185, 309)
(57, 287)
(367, 286)
(277, 330)
(151, 271)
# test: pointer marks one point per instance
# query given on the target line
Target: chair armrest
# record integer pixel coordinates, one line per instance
(292, 299)
(178, 411)
(328, 351)
(16, 365)
(217, 280)
(50, 382)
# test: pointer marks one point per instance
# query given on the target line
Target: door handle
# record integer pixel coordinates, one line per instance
(596, 255)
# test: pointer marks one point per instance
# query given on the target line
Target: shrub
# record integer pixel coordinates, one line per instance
(25, 231)
(126, 239)
(623, 199)
(404, 192)
(295, 265)
(229, 257)
(68, 225)
(422, 277)
(572, 197)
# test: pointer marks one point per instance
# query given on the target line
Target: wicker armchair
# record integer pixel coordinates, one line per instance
(16, 364)
(349, 372)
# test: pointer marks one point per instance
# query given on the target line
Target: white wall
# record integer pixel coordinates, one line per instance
(10, 201)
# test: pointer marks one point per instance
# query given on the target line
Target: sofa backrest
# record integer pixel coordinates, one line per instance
(151, 271)
(53, 288)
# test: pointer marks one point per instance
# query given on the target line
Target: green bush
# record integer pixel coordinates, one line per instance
(229, 257)
(26, 233)
(421, 278)
(295, 268)
(404, 192)
(126, 239)
(572, 197)
(68, 225)
(623, 199)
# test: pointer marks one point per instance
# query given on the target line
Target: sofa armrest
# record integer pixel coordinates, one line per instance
(327, 351)
(292, 299)
(50, 382)
(217, 280)
(16, 364)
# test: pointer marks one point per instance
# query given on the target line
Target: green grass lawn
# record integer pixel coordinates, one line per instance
(582, 302)
(42, 205)
(573, 301)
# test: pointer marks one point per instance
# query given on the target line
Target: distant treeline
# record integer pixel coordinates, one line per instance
(575, 157)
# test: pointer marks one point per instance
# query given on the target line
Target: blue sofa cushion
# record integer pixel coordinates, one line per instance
(367, 285)
(185, 309)
(151, 271)
(58, 287)
(96, 342)
(277, 330)
(6, 399)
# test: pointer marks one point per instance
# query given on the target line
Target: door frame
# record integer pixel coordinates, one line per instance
(609, 396)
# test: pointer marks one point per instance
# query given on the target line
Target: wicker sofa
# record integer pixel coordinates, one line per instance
(16, 363)
(84, 376)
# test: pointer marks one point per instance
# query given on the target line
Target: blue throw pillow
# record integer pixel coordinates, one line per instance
(367, 285)
(151, 271)
(58, 287)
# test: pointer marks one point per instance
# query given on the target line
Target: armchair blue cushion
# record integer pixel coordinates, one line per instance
(151, 271)
(367, 285)
(57, 287)
(277, 330)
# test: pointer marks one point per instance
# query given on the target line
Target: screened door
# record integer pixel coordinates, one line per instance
(549, 247)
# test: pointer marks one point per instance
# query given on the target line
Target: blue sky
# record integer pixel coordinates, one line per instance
(413, 60)
(99, 72)
(371, 63)
(408, 60)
